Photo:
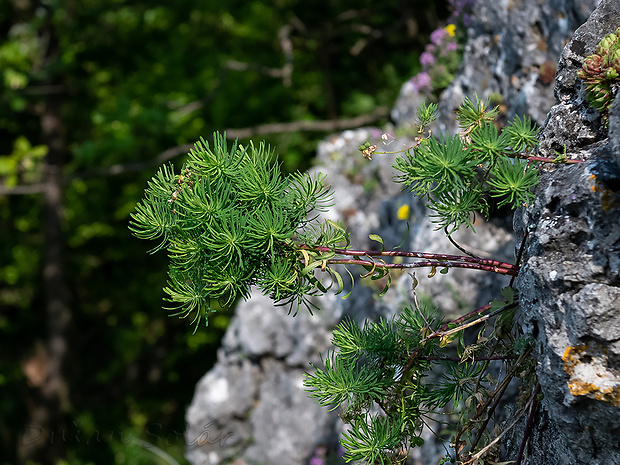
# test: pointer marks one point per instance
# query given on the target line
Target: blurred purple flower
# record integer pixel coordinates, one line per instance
(437, 36)
(422, 82)
(319, 456)
(451, 47)
(375, 133)
(426, 59)
(459, 6)
(424, 79)
(462, 8)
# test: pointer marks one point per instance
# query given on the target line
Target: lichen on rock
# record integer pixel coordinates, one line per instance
(570, 280)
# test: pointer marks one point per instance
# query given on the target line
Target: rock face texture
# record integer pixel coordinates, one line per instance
(570, 281)
(251, 407)
(511, 55)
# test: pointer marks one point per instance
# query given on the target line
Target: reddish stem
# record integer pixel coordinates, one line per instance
(467, 316)
(476, 359)
(428, 263)
(550, 160)
(428, 256)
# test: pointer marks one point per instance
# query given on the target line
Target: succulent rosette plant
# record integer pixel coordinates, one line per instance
(601, 73)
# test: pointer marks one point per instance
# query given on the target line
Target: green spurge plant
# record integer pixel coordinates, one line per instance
(381, 378)
(458, 174)
(229, 220)
(601, 73)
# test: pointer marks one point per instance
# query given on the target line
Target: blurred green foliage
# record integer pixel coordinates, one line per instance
(132, 79)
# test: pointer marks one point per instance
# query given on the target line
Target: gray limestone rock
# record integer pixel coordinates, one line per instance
(511, 55)
(570, 280)
(249, 404)
(570, 299)
(614, 130)
(572, 124)
(404, 111)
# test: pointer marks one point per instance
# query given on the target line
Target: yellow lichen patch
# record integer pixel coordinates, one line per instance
(609, 199)
(589, 374)
(592, 176)
(571, 357)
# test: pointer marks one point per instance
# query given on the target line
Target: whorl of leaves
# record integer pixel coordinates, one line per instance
(227, 220)
(457, 175)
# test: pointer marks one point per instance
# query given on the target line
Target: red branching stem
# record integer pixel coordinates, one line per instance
(475, 359)
(428, 256)
(465, 317)
(426, 264)
(550, 160)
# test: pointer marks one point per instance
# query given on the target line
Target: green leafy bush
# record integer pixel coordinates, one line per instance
(458, 174)
(230, 220)
(227, 220)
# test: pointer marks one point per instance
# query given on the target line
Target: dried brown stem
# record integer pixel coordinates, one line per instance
(528, 426)
(495, 397)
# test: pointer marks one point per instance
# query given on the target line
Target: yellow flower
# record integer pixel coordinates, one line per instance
(403, 212)
(450, 29)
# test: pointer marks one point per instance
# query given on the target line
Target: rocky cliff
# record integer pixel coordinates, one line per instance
(251, 407)
(570, 280)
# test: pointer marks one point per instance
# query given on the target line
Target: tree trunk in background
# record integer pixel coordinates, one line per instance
(326, 57)
(43, 440)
